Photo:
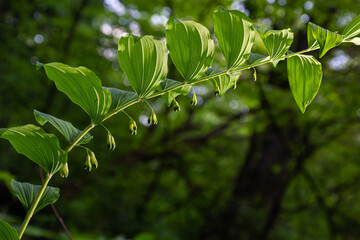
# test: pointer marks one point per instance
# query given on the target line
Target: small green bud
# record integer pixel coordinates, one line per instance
(64, 171)
(88, 165)
(217, 91)
(152, 118)
(255, 75)
(111, 141)
(194, 99)
(93, 160)
(175, 106)
(155, 120)
(132, 127)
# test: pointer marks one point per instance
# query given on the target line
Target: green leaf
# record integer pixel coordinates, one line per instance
(355, 41)
(120, 97)
(352, 29)
(27, 194)
(191, 47)
(64, 127)
(224, 82)
(38, 146)
(277, 42)
(170, 96)
(235, 34)
(312, 43)
(325, 38)
(256, 58)
(304, 73)
(82, 86)
(7, 232)
(144, 61)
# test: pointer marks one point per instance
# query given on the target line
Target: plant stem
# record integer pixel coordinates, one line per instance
(117, 110)
(203, 79)
(78, 138)
(31, 211)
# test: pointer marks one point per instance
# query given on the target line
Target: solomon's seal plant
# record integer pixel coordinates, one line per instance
(144, 61)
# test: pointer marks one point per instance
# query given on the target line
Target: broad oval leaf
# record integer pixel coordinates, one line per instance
(37, 145)
(64, 127)
(235, 34)
(352, 29)
(27, 193)
(7, 232)
(277, 42)
(82, 86)
(224, 82)
(120, 97)
(170, 96)
(325, 38)
(144, 61)
(191, 47)
(304, 74)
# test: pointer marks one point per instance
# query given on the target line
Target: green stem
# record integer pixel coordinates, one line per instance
(230, 71)
(117, 110)
(149, 105)
(31, 211)
(127, 115)
(83, 133)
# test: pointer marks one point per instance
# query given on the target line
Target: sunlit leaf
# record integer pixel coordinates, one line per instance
(7, 232)
(304, 74)
(277, 42)
(224, 82)
(325, 38)
(82, 86)
(64, 127)
(38, 146)
(312, 42)
(191, 47)
(352, 29)
(235, 34)
(120, 97)
(27, 194)
(144, 61)
(170, 96)
(355, 41)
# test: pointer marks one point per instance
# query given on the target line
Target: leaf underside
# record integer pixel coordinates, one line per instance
(144, 61)
(277, 42)
(7, 232)
(82, 86)
(64, 127)
(191, 47)
(120, 97)
(27, 193)
(326, 39)
(170, 96)
(224, 82)
(352, 29)
(235, 34)
(38, 146)
(304, 74)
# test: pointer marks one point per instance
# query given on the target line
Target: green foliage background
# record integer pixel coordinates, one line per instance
(247, 165)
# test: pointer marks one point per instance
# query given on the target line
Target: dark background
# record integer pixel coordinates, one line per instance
(248, 165)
